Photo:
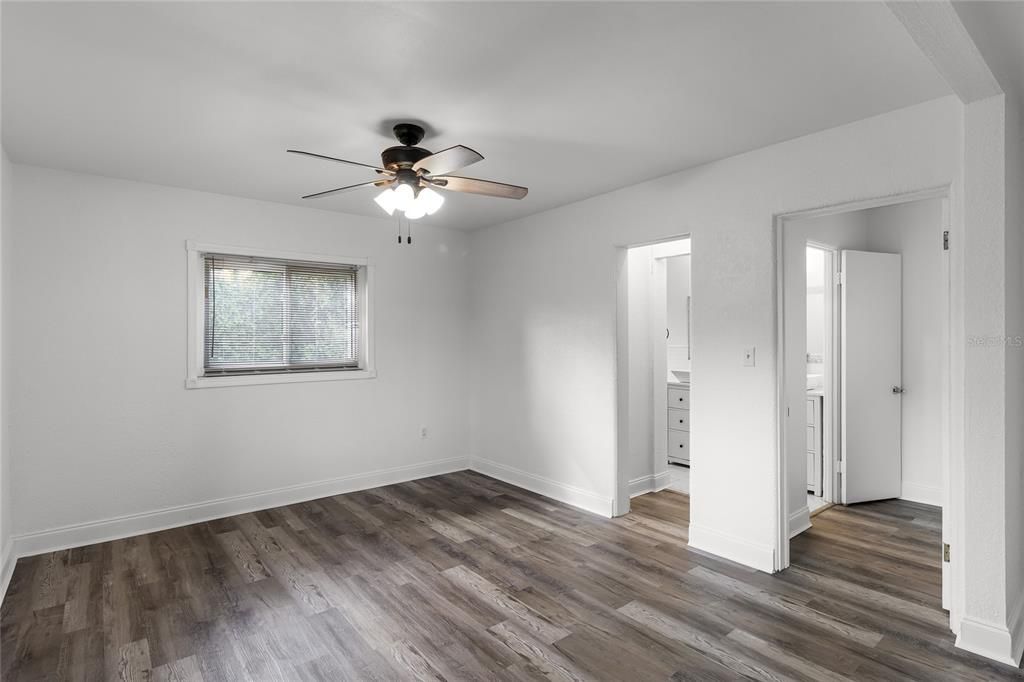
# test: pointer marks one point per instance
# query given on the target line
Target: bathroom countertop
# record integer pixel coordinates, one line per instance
(679, 381)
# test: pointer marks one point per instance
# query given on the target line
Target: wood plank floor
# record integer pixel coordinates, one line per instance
(462, 577)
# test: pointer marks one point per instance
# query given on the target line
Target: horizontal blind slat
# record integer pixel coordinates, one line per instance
(273, 315)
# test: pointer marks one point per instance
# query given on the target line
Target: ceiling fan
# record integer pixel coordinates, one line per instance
(409, 175)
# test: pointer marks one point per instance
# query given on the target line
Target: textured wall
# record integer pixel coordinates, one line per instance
(6, 205)
(1015, 372)
(984, 549)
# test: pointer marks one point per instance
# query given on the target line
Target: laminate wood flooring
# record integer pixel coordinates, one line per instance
(462, 577)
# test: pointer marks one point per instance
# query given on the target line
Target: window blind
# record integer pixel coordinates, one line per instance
(265, 315)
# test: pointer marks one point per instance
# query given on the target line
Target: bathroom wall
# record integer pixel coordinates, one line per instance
(641, 378)
(676, 300)
(816, 331)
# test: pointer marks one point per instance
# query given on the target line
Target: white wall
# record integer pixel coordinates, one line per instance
(983, 537)
(641, 375)
(914, 230)
(95, 308)
(549, 339)
(995, 619)
(678, 290)
(6, 205)
(1015, 373)
(817, 266)
(992, 28)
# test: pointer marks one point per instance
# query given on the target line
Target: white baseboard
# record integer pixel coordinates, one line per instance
(569, 494)
(7, 561)
(651, 483)
(1015, 624)
(988, 640)
(81, 534)
(761, 557)
(799, 521)
(925, 494)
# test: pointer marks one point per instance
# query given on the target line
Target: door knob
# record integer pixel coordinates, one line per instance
(897, 390)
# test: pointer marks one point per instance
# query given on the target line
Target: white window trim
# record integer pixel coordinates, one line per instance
(196, 251)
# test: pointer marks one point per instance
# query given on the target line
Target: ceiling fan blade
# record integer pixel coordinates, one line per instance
(485, 187)
(378, 183)
(331, 158)
(448, 160)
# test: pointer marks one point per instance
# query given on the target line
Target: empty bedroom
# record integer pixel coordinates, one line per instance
(511, 340)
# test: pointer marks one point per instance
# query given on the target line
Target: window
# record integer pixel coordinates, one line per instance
(271, 318)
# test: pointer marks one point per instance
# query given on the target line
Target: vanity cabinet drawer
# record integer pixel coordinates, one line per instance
(679, 419)
(679, 444)
(679, 398)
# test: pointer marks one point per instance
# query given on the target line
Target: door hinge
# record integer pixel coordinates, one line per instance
(945, 240)
(945, 552)
(840, 278)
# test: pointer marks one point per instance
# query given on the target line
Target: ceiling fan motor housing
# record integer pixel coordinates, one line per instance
(404, 156)
(394, 158)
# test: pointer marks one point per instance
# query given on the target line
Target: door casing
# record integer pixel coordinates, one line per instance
(952, 448)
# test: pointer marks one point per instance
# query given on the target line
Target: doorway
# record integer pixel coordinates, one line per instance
(864, 365)
(655, 355)
(822, 265)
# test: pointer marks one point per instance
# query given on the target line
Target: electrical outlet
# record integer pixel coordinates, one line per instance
(748, 356)
(423, 432)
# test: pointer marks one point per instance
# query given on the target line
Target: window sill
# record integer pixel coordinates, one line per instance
(297, 378)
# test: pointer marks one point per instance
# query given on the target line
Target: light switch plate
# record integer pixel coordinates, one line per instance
(749, 356)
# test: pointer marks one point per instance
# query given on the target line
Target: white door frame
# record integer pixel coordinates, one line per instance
(830, 387)
(620, 503)
(952, 448)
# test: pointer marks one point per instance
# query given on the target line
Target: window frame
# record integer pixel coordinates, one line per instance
(196, 377)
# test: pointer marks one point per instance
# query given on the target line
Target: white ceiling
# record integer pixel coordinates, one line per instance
(569, 99)
(997, 28)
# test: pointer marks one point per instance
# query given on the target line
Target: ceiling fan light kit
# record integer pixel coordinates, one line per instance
(403, 198)
(409, 173)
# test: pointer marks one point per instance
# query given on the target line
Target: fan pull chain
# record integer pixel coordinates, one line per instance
(408, 230)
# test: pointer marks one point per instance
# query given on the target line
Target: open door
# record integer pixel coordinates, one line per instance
(870, 423)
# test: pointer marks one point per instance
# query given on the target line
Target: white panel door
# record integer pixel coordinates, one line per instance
(870, 426)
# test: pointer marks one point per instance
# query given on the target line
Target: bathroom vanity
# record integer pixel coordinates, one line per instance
(679, 421)
(814, 441)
